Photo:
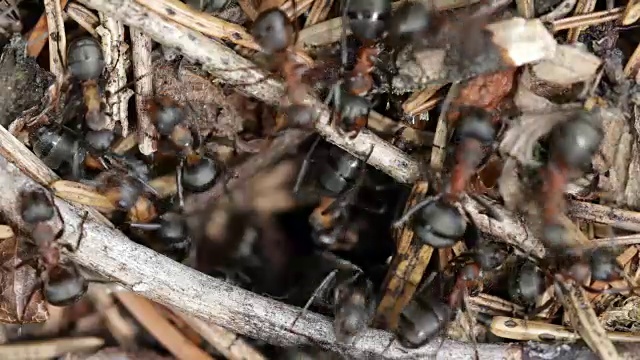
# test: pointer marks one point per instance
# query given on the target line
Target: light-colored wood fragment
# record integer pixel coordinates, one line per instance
(141, 59)
(518, 329)
(84, 17)
(633, 64)
(590, 19)
(526, 8)
(57, 39)
(6, 232)
(422, 100)
(47, 349)
(166, 334)
(631, 12)
(524, 41)
(583, 7)
(82, 194)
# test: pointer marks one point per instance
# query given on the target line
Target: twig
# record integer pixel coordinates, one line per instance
(587, 19)
(111, 33)
(619, 218)
(123, 331)
(110, 253)
(141, 56)
(583, 7)
(57, 39)
(40, 34)
(562, 10)
(46, 349)
(84, 17)
(631, 12)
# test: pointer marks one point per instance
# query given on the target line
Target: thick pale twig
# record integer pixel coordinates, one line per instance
(619, 218)
(141, 56)
(216, 58)
(107, 251)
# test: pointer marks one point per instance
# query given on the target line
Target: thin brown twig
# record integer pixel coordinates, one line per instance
(141, 58)
(57, 39)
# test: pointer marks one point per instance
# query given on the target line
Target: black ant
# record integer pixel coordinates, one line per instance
(352, 299)
(63, 283)
(439, 223)
(367, 20)
(195, 172)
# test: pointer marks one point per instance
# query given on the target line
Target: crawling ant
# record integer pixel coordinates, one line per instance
(367, 20)
(63, 283)
(341, 176)
(572, 144)
(85, 64)
(352, 299)
(172, 233)
(195, 172)
(437, 221)
(275, 33)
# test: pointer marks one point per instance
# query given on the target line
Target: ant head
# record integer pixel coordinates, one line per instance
(85, 59)
(353, 304)
(65, 285)
(339, 171)
(490, 255)
(35, 206)
(199, 175)
(476, 124)
(604, 265)
(439, 224)
(166, 114)
(301, 115)
(575, 141)
(173, 228)
(421, 321)
(182, 137)
(122, 191)
(352, 107)
(411, 19)
(99, 141)
(368, 18)
(273, 31)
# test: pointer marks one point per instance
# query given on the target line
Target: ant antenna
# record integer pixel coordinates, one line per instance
(415, 209)
(305, 165)
(317, 291)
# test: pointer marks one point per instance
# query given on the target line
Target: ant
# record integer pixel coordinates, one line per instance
(341, 176)
(195, 172)
(63, 283)
(85, 64)
(439, 223)
(367, 20)
(172, 232)
(275, 33)
(352, 299)
(572, 144)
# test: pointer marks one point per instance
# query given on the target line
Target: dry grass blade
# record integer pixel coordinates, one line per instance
(141, 58)
(583, 7)
(57, 39)
(493, 305)
(248, 8)
(518, 329)
(84, 17)
(323, 33)
(172, 340)
(438, 152)
(319, 12)
(584, 20)
(585, 321)
(406, 269)
(201, 22)
(421, 101)
(617, 241)
(122, 330)
(633, 63)
(79, 193)
(232, 346)
(631, 12)
(46, 349)
(39, 35)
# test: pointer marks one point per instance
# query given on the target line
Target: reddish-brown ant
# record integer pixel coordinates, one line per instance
(439, 223)
(572, 144)
(63, 283)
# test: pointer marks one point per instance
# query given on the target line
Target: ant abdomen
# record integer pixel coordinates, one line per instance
(476, 124)
(575, 141)
(411, 19)
(604, 265)
(368, 19)
(100, 140)
(64, 286)
(199, 175)
(85, 59)
(54, 147)
(439, 224)
(35, 206)
(490, 255)
(273, 31)
(421, 320)
(167, 115)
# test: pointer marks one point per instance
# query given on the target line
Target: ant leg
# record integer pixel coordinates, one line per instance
(413, 210)
(320, 288)
(305, 166)
(80, 236)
